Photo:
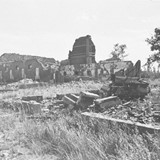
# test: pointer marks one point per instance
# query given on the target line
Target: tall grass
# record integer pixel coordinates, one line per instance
(77, 138)
(69, 136)
(51, 90)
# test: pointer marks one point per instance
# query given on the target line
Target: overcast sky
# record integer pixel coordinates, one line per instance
(49, 27)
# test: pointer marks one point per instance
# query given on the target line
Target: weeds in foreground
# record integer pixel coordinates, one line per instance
(78, 138)
(73, 137)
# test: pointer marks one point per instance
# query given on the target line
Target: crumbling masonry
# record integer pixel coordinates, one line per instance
(81, 62)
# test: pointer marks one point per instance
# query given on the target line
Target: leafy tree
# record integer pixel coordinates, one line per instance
(119, 51)
(154, 41)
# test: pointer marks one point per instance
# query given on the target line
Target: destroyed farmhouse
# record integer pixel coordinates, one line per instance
(81, 62)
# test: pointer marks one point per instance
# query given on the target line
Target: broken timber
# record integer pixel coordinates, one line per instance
(7, 90)
(73, 97)
(108, 102)
(68, 101)
(24, 107)
(86, 99)
(142, 128)
(89, 95)
(33, 98)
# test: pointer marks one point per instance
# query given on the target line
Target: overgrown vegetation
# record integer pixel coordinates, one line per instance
(154, 42)
(150, 74)
(69, 136)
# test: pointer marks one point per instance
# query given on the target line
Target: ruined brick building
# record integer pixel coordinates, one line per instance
(81, 62)
(83, 51)
(14, 67)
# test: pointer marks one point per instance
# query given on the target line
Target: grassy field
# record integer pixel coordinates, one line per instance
(70, 136)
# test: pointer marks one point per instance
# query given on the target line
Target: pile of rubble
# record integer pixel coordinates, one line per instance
(92, 101)
(142, 114)
(88, 101)
(112, 106)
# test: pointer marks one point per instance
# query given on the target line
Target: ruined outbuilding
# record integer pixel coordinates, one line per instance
(30, 69)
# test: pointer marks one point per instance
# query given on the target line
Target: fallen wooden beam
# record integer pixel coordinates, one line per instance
(142, 128)
(68, 101)
(33, 98)
(89, 95)
(73, 97)
(57, 102)
(7, 90)
(86, 99)
(107, 102)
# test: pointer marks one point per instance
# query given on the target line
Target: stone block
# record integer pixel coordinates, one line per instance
(105, 88)
(31, 107)
(59, 96)
(27, 108)
(84, 102)
(86, 99)
(156, 116)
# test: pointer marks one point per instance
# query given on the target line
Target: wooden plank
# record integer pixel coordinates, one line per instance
(68, 101)
(7, 90)
(33, 98)
(73, 97)
(106, 99)
(107, 102)
(143, 128)
(89, 95)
